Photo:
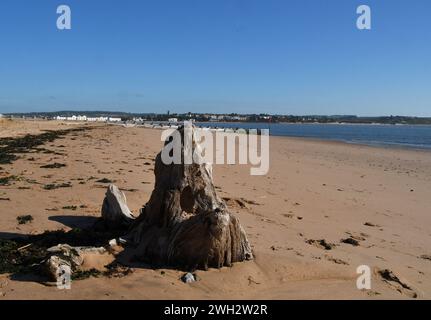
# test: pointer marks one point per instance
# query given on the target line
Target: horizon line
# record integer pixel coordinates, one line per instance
(213, 113)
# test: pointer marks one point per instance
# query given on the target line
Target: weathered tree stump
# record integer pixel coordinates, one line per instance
(185, 223)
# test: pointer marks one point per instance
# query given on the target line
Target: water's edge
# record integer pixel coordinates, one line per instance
(383, 136)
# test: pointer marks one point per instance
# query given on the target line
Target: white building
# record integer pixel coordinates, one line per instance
(89, 119)
(85, 118)
(173, 120)
(97, 119)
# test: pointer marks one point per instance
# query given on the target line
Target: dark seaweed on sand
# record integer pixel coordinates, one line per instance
(53, 186)
(70, 208)
(84, 274)
(11, 146)
(24, 255)
(55, 165)
(104, 180)
(13, 260)
(24, 219)
(5, 181)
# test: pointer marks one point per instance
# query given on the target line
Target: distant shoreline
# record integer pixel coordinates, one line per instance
(416, 137)
(235, 117)
(298, 134)
(322, 123)
(357, 144)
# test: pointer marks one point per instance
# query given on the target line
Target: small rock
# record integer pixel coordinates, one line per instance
(188, 278)
(113, 243)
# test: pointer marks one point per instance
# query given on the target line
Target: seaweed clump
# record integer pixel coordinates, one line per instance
(24, 219)
(53, 186)
(17, 258)
(10, 147)
(25, 255)
(5, 181)
(55, 165)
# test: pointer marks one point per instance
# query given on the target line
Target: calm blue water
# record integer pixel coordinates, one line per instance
(378, 135)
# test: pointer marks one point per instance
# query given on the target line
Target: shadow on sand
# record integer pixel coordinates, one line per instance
(22, 255)
(82, 222)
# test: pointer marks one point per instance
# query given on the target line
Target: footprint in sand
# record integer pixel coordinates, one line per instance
(425, 257)
(370, 224)
(335, 260)
(288, 215)
(235, 203)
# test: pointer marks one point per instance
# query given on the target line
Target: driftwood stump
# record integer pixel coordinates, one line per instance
(185, 223)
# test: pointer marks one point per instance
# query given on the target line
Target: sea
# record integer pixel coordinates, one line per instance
(401, 136)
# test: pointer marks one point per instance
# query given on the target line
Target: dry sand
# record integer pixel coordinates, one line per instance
(314, 191)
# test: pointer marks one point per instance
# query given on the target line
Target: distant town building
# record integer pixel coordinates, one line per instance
(173, 120)
(89, 119)
(97, 119)
(139, 119)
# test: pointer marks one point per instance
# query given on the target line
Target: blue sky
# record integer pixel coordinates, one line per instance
(245, 56)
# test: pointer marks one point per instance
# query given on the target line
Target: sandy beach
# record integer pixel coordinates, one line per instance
(323, 209)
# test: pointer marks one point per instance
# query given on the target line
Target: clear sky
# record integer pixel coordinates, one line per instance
(244, 56)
